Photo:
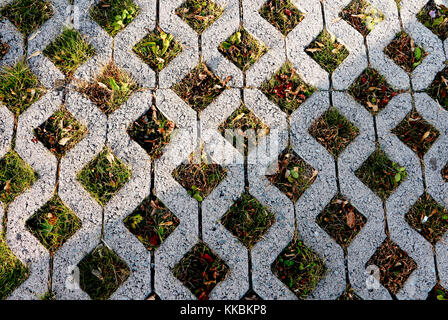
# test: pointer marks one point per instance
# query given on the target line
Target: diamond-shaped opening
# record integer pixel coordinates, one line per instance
(152, 222)
(152, 131)
(61, 132)
(282, 14)
(114, 15)
(104, 176)
(327, 51)
(299, 268)
(12, 271)
(435, 18)
(404, 52)
(15, 177)
(287, 89)
(380, 174)
(158, 49)
(19, 88)
(102, 272)
(349, 294)
(4, 48)
(199, 14)
(334, 131)
(362, 16)
(292, 175)
(394, 264)
(110, 90)
(248, 220)
(200, 270)
(372, 91)
(53, 224)
(243, 49)
(428, 218)
(251, 295)
(243, 128)
(341, 220)
(416, 133)
(199, 176)
(445, 173)
(438, 90)
(28, 15)
(438, 293)
(69, 51)
(200, 87)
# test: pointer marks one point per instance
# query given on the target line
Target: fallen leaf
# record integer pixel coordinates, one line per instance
(351, 219)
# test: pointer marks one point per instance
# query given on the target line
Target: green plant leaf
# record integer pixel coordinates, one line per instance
(198, 197)
(397, 177)
(114, 85)
(418, 53)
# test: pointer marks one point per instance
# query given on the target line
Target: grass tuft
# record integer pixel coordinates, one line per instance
(199, 14)
(27, 15)
(299, 268)
(15, 177)
(102, 272)
(114, 15)
(12, 272)
(248, 220)
(282, 14)
(362, 16)
(104, 176)
(69, 51)
(404, 52)
(19, 88)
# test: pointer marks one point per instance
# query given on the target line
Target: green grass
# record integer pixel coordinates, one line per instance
(416, 133)
(327, 51)
(28, 15)
(152, 222)
(372, 91)
(102, 272)
(438, 90)
(53, 224)
(61, 132)
(199, 14)
(380, 174)
(69, 51)
(242, 49)
(333, 131)
(299, 268)
(341, 221)
(287, 89)
(429, 218)
(200, 176)
(200, 87)
(437, 22)
(12, 272)
(19, 88)
(200, 270)
(248, 220)
(404, 52)
(282, 14)
(15, 177)
(241, 125)
(110, 90)
(362, 16)
(293, 175)
(104, 176)
(158, 49)
(152, 132)
(114, 15)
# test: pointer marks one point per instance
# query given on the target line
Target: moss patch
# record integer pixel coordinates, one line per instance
(12, 272)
